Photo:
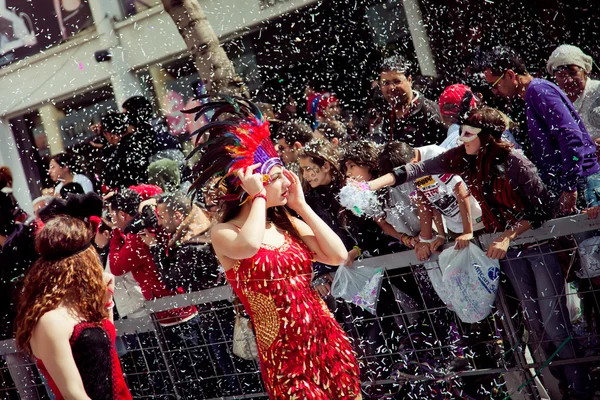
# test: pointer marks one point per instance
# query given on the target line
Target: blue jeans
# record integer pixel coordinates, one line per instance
(591, 187)
(588, 191)
(190, 360)
(217, 325)
(539, 283)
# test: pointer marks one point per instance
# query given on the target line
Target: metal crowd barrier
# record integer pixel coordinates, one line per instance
(407, 351)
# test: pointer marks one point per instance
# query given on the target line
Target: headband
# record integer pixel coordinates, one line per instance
(61, 255)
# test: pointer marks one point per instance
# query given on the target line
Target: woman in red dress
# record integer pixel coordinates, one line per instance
(65, 318)
(267, 256)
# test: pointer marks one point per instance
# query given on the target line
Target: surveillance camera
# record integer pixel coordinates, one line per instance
(102, 55)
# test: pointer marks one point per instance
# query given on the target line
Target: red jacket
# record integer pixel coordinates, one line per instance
(130, 254)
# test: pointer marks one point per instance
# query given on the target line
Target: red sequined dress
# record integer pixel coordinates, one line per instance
(304, 353)
(93, 348)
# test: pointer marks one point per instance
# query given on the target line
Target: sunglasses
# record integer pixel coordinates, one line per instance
(468, 133)
(493, 85)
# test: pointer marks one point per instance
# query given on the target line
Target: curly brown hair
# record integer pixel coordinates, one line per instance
(56, 278)
(363, 153)
(319, 151)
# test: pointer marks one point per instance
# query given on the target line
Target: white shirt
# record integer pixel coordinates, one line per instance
(400, 212)
(588, 107)
(439, 190)
(83, 180)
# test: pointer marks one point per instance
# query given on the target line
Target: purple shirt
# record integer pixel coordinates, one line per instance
(562, 148)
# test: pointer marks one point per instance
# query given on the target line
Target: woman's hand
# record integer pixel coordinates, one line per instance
(463, 241)
(352, 254)
(568, 203)
(295, 198)
(252, 183)
(412, 241)
(593, 212)
(498, 249)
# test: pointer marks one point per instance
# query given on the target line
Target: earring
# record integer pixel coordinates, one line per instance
(243, 198)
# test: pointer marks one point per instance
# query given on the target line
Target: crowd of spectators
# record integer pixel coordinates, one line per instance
(445, 169)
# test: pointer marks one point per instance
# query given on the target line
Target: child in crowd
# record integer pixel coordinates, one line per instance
(360, 163)
(446, 193)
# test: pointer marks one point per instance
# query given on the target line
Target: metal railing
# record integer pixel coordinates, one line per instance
(410, 348)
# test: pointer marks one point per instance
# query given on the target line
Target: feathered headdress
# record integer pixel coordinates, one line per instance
(239, 137)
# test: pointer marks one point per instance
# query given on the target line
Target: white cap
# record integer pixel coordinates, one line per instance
(568, 55)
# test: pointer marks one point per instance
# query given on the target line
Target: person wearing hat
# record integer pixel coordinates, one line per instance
(571, 67)
(322, 107)
(165, 174)
(455, 102)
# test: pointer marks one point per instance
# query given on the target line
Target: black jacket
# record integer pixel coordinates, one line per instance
(421, 127)
(353, 230)
(191, 266)
(164, 139)
(186, 261)
(128, 164)
(16, 256)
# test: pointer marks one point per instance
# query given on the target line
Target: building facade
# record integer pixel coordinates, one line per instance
(54, 93)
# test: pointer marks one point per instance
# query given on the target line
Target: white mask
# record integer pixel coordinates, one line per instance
(468, 133)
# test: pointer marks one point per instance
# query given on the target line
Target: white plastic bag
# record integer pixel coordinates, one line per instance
(359, 285)
(244, 341)
(573, 302)
(435, 276)
(589, 250)
(128, 295)
(472, 280)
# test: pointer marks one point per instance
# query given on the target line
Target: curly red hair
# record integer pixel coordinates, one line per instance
(75, 281)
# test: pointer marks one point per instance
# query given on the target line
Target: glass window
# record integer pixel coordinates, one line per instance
(132, 7)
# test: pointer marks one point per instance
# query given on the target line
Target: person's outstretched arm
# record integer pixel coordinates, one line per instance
(462, 197)
(410, 172)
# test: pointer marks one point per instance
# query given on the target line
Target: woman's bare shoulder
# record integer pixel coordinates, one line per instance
(224, 230)
(54, 325)
(221, 235)
(59, 319)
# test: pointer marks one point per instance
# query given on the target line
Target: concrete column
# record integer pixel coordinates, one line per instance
(124, 82)
(160, 77)
(420, 39)
(12, 159)
(50, 115)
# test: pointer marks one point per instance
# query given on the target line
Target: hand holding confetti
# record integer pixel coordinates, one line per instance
(357, 197)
